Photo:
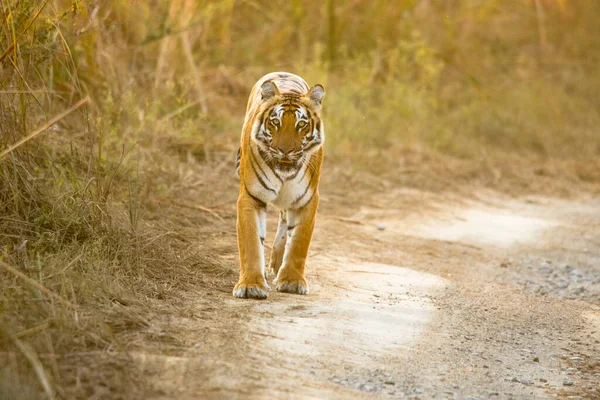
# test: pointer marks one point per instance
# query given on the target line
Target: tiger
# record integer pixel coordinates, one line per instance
(278, 162)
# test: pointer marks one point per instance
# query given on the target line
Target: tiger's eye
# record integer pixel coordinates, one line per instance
(301, 124)
(275, 122)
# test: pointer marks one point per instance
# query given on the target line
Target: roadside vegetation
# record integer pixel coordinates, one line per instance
(103, 214)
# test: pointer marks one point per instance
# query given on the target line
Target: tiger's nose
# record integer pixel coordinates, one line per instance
(284, 151)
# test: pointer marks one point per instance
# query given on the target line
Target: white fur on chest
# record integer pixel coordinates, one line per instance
(291, 194)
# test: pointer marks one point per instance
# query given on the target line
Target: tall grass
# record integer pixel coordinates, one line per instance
(491, 91)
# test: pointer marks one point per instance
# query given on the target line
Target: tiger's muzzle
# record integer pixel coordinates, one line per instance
(287, 161)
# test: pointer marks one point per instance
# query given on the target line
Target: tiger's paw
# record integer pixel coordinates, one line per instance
(251, 291)
(294, 286)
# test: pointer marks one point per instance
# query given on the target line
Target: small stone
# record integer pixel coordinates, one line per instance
(536, 359)
(526, 381)
(514, 379)
(418, 391)
(576, 358)
(568, 383)
(380, 227)
(389, 382)
(579, 290)
(543, 380)
(197, 345)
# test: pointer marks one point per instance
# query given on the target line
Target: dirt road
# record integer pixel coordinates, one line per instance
(412, 295)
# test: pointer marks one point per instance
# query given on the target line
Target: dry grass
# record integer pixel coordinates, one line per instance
(112, 211)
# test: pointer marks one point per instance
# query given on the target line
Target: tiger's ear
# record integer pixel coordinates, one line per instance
(268, 90)
(316, 94)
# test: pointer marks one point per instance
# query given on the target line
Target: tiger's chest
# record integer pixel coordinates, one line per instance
(285, 194)
(293, 195)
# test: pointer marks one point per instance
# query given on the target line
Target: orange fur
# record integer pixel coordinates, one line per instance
(280, 162)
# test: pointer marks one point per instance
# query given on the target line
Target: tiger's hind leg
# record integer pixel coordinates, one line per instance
(279, 243)
(300, 225)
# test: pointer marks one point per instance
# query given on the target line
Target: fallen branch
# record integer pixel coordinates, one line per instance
(36, 284)
(348, 220)
(35, 329)
(45, 126)
(178, 111)
(197, 207)
(34, 360)
(26, 332)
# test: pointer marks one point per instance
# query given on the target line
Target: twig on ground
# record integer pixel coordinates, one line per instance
(26, 332)
(36, 285)
(348, 220)
(197, 207)
(45, 126)
(178, 111)
(67, 267)
(35, 362)
(35, 329)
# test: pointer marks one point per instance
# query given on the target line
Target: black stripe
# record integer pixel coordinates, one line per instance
(261, 203)
(311, 196)
(306, 190)
(282, 215)
(237, 161)
(298, 86)
(264, 156)
(291, 178)
(305, 169)
(266, 114)
(290, 98)
(289, 228)
(313, 144)
(253, 156)
(262, 240)
(258, 176)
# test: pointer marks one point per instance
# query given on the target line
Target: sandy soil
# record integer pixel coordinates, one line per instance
(413, 295)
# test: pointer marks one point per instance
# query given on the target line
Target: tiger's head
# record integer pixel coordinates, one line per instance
(289, 128)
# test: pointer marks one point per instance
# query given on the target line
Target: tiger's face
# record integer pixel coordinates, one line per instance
(290, 128)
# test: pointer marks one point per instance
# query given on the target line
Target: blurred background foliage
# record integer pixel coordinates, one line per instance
(424, 93)
(464, 78)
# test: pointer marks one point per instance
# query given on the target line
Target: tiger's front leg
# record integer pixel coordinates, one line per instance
(279, 243)
(300, 225)
(251, 229)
